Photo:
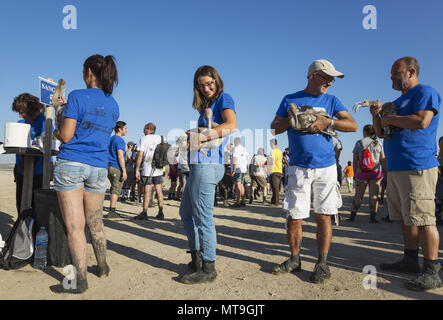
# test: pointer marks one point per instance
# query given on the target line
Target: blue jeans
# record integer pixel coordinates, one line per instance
(71, 175)
(197, 208)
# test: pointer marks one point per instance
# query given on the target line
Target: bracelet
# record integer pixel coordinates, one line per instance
(332, 124)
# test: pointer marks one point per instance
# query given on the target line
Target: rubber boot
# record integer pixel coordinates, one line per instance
(196, 262)
(207, 273)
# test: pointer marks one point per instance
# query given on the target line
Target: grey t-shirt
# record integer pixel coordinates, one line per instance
(258, 165)
(374, 146)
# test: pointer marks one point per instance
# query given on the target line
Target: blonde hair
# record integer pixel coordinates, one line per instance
(200, 101)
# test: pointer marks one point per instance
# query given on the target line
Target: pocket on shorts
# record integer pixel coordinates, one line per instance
(66, 173)
(422, 209)
(339, 198)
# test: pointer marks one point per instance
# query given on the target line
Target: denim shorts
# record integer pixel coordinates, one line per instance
(70, 175)
(147, 181)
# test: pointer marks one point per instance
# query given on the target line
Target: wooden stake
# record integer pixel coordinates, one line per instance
(47, 144)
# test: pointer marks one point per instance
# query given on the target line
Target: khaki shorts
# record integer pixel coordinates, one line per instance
(258, 181)
(411, 196)
(115, 177)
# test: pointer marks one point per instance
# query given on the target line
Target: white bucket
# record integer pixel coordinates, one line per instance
(55, 144)
(17, 135)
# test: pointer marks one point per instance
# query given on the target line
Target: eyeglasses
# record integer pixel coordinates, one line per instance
(208, 84)
(326, 78)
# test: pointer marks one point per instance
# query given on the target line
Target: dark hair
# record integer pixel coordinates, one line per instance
(370, 132)
(105, 71)
(150, 126)
(119, 125)
(349, 163)
(200, 101)
(27, 103)
(411, 63)
(274, 141)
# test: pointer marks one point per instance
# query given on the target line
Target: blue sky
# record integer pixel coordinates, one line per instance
(262, 50)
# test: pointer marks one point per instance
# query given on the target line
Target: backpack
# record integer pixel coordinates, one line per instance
(160, 157)
(366, 161)
(19, 248)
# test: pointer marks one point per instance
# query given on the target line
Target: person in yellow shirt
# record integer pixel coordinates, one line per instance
(275, 162)
(349, 176)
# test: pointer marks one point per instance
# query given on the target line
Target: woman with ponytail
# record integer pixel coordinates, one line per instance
(369, 159)
(80, 172)
(206, 171)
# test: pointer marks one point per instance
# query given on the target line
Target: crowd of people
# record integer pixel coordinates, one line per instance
(405, 165)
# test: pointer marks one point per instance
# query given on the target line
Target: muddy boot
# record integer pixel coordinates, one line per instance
(352, 217)
(409, 263)
(320, 274)
(207, 273)
(372, 218)
(290, 265)
(196, 263)
(428, 279)
(80, 287)
(112, 214)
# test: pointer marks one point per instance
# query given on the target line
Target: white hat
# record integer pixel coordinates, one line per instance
(326, 67)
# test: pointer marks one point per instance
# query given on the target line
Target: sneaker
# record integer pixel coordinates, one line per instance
(290, 265)
(142, 216)
(427, 280)
(406, 265)
(112, 215)
(320, 274)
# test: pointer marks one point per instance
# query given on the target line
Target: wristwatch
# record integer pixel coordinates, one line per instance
(332, 124)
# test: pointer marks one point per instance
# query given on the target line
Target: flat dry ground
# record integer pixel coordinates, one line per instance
(147, 257)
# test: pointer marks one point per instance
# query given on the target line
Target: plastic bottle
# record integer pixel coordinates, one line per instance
(41, 249)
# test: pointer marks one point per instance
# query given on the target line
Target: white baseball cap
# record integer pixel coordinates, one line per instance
(326, 67)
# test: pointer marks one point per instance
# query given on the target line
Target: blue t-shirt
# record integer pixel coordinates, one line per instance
(413, 150)
(215, 155)
(37, 128)
(117, 143)
(310, 150)
(96, 114)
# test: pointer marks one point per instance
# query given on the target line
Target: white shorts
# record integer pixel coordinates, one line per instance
(323, 184)
(349, 180)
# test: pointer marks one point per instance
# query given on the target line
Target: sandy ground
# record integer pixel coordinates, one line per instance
(147, 257)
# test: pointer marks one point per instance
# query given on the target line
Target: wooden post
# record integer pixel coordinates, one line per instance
(28, 175)
(47, 145)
